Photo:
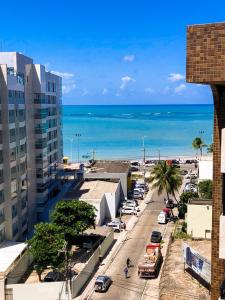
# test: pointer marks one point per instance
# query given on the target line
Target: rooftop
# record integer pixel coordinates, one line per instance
(92, 190)
(110, 166)
(9, 253)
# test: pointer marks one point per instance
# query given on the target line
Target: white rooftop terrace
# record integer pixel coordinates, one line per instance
(9, 253)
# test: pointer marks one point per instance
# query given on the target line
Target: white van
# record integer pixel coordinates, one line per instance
(162, 218)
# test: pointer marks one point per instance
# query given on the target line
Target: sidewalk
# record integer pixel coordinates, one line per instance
(115, 249)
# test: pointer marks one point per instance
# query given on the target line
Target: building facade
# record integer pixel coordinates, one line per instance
(206, 65)
(30, 142)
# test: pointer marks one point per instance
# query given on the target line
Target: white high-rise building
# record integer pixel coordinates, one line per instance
(30, 142)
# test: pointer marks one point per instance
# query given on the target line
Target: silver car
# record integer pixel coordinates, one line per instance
(102, 283)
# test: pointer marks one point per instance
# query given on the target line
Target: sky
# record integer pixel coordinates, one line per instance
(111, 51)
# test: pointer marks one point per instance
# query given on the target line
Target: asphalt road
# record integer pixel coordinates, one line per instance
(134, 288)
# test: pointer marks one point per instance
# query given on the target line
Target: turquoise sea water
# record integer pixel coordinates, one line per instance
(115, 132)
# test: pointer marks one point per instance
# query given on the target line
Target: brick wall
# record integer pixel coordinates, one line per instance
(206, 64)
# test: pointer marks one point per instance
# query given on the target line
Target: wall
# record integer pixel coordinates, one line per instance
(37, 291)
(205, 170)
(79, 281)
(113, 200)
(20, 268)
(199, 219)
(206, 64)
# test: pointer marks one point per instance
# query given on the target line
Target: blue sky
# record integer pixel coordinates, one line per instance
(111, 52)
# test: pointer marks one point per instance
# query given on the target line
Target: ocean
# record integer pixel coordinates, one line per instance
(118, 131)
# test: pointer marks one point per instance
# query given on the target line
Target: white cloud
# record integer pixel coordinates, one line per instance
(47, 65)
(84, 92)
(129, 57)
(125, 80)
(180, 88)
(105, 91)
(176, 77)
(64, 75)
(67, 88)
(149, 90)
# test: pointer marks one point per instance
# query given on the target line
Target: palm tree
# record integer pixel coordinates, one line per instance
(166, 178)
(210, 148)
(198, 144)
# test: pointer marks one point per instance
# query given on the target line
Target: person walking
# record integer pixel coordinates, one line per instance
(126, 272)
(128, 262)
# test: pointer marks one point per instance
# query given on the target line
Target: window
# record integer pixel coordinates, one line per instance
(14, 210)
(12, 135)
(13, 173)
(12, 154)
(1, 197)
(23, 202)
(11, 116)
(15, 228)
(2, 235)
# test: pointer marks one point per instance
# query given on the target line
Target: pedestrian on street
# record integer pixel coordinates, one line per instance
(128, 262)
(126, 272)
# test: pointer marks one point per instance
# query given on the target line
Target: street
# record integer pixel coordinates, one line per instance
(134, 248)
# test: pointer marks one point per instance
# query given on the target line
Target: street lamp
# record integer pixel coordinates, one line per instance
(78, 135)
(143, 149)
(159, 154)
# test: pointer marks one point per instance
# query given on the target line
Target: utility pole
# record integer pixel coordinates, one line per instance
(143, 149)
(159, 154)
(93, 154)
(78, 135)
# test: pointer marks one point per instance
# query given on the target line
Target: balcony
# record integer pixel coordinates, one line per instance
(223, 151)
(222, 238)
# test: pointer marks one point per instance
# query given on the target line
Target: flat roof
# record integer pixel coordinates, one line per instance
(110, 166)
(9, 252)
(200, 202)
(92, 190)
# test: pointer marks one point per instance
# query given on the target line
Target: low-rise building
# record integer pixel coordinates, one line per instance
(199, 218)
(103, 195)
(109, 170)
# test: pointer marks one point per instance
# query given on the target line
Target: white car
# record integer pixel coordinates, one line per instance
(129, 210)
(130, 204)
(117, 225)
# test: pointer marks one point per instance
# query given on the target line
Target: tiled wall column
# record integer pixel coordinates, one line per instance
(218, 265)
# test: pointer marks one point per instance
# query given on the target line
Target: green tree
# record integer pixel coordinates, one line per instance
(73, 217)
(205, 189)
(210, 148)
(45, 246)
(165, 178)
(198, 144)
(184, 199)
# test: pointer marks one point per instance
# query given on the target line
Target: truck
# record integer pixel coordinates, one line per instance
(150, 266)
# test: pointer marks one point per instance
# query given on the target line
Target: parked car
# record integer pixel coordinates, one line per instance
(184, 172)
(162, 218)
(102, 283)
(190, 188)
(142, 186)
(117, 225)
(134, 169)
(127, 210)
(156, 237)
(170, 204)
(135, 163)
(137, 194)
(130, 204)
(52, 276)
